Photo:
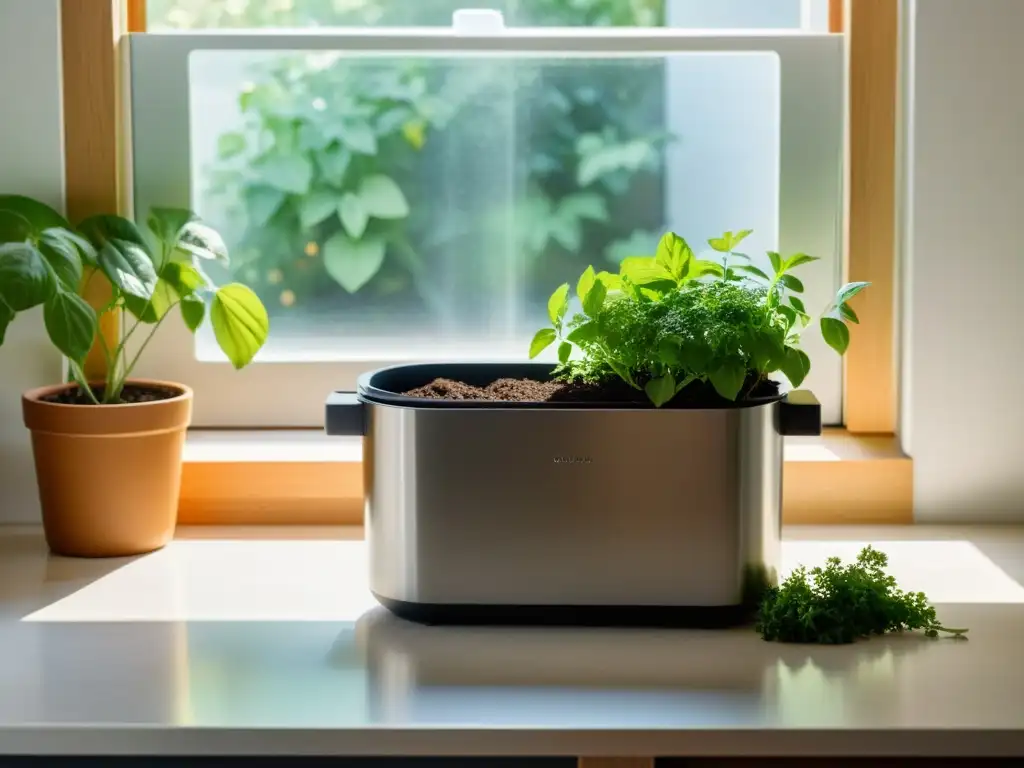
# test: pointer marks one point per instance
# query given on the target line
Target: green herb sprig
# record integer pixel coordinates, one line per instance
(840, 603)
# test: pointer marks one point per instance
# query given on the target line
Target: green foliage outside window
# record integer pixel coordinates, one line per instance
(327, 189)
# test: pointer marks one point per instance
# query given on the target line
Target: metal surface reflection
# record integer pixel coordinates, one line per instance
(593, 678)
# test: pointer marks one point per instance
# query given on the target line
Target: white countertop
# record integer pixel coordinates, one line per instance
(271, 644)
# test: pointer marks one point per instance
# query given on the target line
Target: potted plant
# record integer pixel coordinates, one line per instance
(636, 480)
(108, 451)
(684, 330)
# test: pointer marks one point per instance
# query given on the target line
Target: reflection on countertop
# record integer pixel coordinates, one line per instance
(279, 638)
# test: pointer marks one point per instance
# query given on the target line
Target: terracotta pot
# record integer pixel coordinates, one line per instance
(109, 475)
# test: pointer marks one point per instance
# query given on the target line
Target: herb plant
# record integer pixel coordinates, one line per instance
(844, 603)
(666, 321)
(44, 261)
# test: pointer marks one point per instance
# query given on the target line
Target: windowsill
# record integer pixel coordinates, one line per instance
(270, 445)
(314, 445)
(304, 477)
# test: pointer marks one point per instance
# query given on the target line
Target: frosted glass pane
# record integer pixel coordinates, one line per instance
(425, 207)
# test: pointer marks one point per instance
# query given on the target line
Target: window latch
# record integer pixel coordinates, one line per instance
(477, 21)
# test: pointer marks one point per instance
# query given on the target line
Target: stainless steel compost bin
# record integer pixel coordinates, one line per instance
(583, 513)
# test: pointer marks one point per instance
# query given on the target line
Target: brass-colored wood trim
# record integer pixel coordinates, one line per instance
(835, 15)
(841, 478)
(271, 493)
(872, 38)
(90, 33)
(137, 15)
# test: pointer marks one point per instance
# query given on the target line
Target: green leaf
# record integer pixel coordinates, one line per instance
(558, 304)
(100, 229)
(358, 136)
(661, 389)
(720, 244)
(353, 263)
(240, 323)
(564, 350)
(566, 231)
(291, 173)
(128, 267)
(695, 356)
(750, 269)
(674, 255)
(193, 310)
(645, 270)
(739, 237)
(847, 313)
(316, 207)
(166, 223)
(796, 365)
(70, 323)
(586, 282)
(594, 299)
(39, 215)
(797, 259)
(776, 261)
(611, 281)
(790, 314)
(183, 278)
(156, 306)
(703, 267)
(599, 159)
(670, 352)
(261, 203)
(26, 280)
(14, 227)
(835, 333)
(6, 317)
(382, 197)
(86, 251)
(792, 283)
(798, 305)
(541, 341)
(353, 215)
(122, 253)
(230, 145)
(63, 257)
(203, 242)
(583, 333)
(728, 379)
(334, 163)
(584, 205)
(850, 290)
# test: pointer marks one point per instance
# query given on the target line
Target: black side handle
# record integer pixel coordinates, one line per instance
(344, 415)
(799, 414)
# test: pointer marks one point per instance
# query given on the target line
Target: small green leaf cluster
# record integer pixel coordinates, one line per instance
(666, 321)
(44, 261)
(840, 603)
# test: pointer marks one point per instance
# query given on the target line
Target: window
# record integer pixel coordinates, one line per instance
(409, 194)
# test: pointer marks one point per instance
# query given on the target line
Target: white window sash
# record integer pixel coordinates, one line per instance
(291, 394)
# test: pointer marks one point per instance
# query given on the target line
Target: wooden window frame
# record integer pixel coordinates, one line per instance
(861, 475)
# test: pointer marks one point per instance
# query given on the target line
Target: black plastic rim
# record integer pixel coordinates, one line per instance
(384, 386)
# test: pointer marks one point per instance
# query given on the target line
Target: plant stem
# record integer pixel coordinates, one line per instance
(156, 326)
(79, 377)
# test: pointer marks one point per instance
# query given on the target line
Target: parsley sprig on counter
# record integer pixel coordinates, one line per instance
(843, 603)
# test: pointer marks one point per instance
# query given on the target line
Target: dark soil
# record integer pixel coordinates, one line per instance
(132, 393)
(611, 391)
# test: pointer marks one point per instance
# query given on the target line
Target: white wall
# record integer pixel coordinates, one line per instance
(31, 163)
(964, 272)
